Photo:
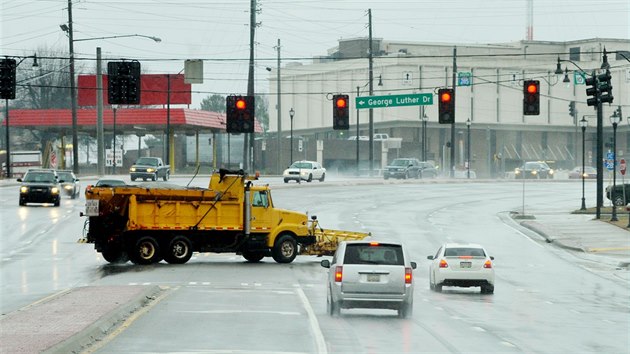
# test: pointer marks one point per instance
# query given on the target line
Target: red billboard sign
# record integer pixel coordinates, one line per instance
(154, 90)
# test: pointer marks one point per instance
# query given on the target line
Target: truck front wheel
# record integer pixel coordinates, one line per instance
(145, 251)
(166, 176)
(179, 250)
(285, 249)
(115, 255)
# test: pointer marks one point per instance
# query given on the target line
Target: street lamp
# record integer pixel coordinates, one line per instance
(73, 96)
(614, 119)
(583, 125)
(291, 114)
(424, 120)
(468, 122)
(6, 118)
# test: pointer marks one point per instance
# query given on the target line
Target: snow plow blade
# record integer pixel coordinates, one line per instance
(327, 241)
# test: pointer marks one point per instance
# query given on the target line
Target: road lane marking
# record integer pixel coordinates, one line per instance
(317, 332)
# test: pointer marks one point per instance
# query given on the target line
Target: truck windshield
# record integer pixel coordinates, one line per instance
(146, 161)
(39, 177)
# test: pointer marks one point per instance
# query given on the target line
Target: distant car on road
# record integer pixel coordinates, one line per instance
(463, 265)
(370, 274)
(621, 195)
(304, 171)
(39, 186)
(428, 170)
(534, 170)
(403, 168)
(589, 172)
(107, 182)
(69, 183)
(150, 168)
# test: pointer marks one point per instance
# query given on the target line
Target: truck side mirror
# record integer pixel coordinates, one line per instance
(325, 263)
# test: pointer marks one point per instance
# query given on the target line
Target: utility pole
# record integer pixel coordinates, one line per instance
(279, 110)
(248, 163)
(100, 143)
(371, 82)
(73, 95)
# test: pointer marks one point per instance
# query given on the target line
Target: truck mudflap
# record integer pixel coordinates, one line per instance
(326, 240)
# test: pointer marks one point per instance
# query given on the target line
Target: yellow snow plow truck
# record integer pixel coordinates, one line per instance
(148, 223)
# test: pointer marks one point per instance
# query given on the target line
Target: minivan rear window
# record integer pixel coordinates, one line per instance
(374, 254)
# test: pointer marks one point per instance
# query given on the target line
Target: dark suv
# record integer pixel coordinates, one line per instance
(403, 168)
(621, 194)
(39, 186)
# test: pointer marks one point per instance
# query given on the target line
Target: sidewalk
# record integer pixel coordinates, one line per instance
(581, 232)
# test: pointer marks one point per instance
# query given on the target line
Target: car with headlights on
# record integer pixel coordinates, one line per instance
(462, 265)
(69, 183)
(589, 173)
(370, 274)
(39, 186)
(107, 182)
(534, 170)
(304, 171)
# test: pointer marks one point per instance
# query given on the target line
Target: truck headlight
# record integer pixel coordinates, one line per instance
(133, 169)
(54, 190)
(150, 170)
(68, 187)
(23, 189)
(550, 172)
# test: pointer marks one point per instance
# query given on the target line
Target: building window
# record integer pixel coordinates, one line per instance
(574, 53)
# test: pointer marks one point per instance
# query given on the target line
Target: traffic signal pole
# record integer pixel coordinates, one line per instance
(452, 172)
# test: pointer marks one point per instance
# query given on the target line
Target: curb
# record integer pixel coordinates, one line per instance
(99, 329)
(546, 233)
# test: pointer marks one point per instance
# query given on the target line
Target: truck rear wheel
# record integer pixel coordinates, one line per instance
(145, 251)
(115, 255)
(166, 176)
(285, 250)
(253, 256)
(179, 250)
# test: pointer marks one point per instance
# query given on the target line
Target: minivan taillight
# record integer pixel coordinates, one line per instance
(408, 276)
(338, 274)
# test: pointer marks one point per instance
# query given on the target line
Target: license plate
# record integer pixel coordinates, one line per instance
(465, 264)
(373, 278)
(91, 207)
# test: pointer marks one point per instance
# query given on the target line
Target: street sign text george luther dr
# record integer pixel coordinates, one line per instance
(415, 99)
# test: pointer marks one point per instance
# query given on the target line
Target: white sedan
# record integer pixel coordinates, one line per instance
(304, 171)
(461, 264)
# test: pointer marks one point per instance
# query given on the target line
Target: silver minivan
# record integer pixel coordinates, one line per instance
(370, 274)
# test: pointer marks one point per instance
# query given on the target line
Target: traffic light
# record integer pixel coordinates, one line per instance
(605, 87)
(341, 112)
(600, 90)
(240, 114)
(446, 106)
(123, 85)
(7, 78)
(572, 112)
(531, 97)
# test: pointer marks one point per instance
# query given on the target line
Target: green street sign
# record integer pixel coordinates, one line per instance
(414, 99)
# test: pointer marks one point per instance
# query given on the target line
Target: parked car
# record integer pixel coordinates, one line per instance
(370, 274)
(381, 136)
(621, 194)
(589, 172)
(534, 170)
(361, 138)
(304, 171)
(463, 265)
(403, 168)
(39, 186)
(69, 183)
(150, 168)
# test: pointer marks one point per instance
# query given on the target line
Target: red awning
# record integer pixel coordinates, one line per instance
(181, 119)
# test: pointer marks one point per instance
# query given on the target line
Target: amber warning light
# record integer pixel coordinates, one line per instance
(240, 104)
(446, 97)
(341, 103)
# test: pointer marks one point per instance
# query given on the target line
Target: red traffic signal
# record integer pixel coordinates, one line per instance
(446, 106)
(341, 113)
(531, 97)
(240, 104)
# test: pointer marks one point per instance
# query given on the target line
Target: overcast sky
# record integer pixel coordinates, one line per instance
(218, 30)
